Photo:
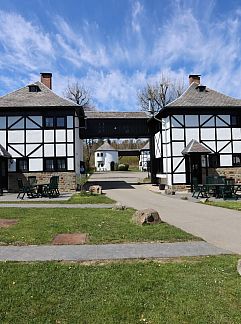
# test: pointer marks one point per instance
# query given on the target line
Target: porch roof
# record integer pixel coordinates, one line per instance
(195, 147)
(4, 153)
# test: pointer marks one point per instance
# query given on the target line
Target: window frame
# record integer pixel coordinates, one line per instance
(236, 155)
(55, 164)
(20, 170)
(55, 122)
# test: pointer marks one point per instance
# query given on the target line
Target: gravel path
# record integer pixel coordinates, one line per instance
(108, 251)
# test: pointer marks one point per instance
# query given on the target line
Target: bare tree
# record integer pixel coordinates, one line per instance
(78, 93)
(160, 93)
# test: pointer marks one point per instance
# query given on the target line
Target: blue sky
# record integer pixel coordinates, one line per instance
(115, 47)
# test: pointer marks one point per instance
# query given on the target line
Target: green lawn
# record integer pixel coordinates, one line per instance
(226, 204)
(200, 290)
(39, 226)
(78, 198)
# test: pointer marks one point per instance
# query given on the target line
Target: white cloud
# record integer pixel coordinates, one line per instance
(137, 9)
(24, 44)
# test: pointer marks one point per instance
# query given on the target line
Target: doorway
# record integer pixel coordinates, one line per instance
(4, 173)
(196, 168)
(112, 166)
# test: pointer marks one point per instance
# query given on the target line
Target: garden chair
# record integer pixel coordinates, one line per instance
(32, 180)
(52, 189)
(25, 189)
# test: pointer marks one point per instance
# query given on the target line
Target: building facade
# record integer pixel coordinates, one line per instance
(40, 131)
(199, 134)
(144, 160)
(106, 157)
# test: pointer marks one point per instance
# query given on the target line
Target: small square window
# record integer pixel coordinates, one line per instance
(49, 164)
(61, 164)
(236, 159)
(22, 165)
(49, 122)
(60, 122)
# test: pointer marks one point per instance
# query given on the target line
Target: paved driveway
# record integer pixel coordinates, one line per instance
(218, 226)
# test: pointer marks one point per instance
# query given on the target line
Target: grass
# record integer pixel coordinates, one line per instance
(39, 226)
(78, 198)
(195, 290)
(226, 204)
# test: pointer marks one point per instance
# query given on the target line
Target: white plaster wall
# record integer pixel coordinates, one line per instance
(177, 134)
(192, 133)
(49, 135)
(3, 138)
(70, 164)
(177, 148)
(60, 150)
(158, 145)
(211, 145)
(207, 134)
(60, 135)
(19, 148)
(144, 158)
(181, 167)
(13, 153)
(223, 133)
(179, 178)
(48, 150)
(236, 133)
(78, 146)
(108, 157)
(34, 136)
(35, 165)
(237, 147)
(16, 136)
(225, 160)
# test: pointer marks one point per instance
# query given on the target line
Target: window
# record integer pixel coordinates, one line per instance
(101, 154)
(49, 165)
(236, 121)
(49, 122)
(61, 164)
(55, 164)
(237, 159)
(22, 165)
(60, 122)
(33, 88)
(98, 154)
(214, 160)
(55, 122)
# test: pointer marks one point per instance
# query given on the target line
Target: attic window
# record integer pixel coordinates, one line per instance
(33, 88)
(201, 88)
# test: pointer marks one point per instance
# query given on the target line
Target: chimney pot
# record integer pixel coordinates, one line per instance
(194, 78)
(46, 79)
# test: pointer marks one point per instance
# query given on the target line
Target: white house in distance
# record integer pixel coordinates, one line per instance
(106, 157)
(144, 157)
(40, 131)
(199, 135)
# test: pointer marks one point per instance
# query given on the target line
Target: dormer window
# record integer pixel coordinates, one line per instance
(33, 88)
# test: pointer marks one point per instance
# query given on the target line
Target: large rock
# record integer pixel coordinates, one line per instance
(95, 189)
(146, 216)
(239, 266)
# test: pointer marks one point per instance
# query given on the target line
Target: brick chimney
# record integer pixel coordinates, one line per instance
(46, 79)
(194, 78)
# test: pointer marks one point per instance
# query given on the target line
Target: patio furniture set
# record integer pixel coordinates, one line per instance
(218, 187)
(38, 190)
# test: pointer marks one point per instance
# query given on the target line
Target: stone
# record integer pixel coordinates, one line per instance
(204, 200)
(146, 216)
(5, 223)
(96, 189)
(70, 239)
(119, 206)
(239, 266)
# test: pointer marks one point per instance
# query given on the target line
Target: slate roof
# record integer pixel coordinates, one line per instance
(4, 153)
(192, 97)
(125, 115)
(106, 147)
(146, 147)
(195, 147)
(43, 98)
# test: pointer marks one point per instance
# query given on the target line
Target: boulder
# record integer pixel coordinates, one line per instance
(239, 266)
(146, 216)
(119, 206)
(96, 189)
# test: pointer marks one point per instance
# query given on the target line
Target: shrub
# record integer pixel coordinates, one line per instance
(123, 167)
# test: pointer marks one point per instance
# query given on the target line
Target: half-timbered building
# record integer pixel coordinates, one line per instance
(198, 134)
(40, 132)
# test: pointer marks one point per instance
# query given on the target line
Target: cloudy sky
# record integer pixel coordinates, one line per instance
(115, 47)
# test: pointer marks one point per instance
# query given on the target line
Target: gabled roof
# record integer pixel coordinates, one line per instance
(4, 153)
(106, 147)
(193, 97)
(43, 98)
(195, 147)
(146, 147)
(115, 114)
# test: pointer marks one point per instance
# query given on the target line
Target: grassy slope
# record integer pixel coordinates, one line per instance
(226, 204)
(39, 226)
(204, 290)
